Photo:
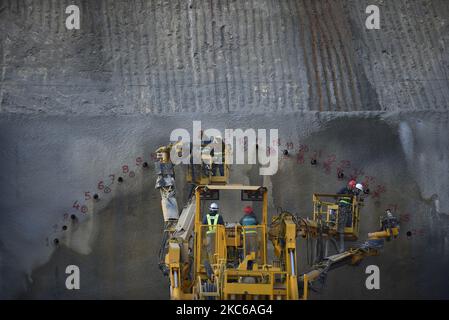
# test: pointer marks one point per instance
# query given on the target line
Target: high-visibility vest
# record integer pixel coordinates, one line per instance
(345, 200)
(212, 224)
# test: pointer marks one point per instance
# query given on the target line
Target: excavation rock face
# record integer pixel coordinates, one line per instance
(81, 112)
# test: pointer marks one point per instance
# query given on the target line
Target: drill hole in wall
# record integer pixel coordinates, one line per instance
(120, 179)
(409, 233)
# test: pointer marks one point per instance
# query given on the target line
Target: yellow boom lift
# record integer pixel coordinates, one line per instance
(202, 264)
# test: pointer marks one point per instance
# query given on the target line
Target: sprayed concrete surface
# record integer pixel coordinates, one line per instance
(76, 107)
(115, 243)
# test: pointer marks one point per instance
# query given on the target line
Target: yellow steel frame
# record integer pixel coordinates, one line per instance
(208, 179)
(322, 207)
(202, 179)
(260, 229)
(229, 280)
(221, 236)
(266, 290)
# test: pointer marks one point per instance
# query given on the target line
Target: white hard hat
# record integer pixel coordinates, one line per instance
(213, 206)
(359, 186)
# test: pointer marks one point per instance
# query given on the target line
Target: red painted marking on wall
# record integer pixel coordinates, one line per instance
(76, 205)
(304, 148)
(420, 232)
(404, 218)
(379, 190)
(327, 165)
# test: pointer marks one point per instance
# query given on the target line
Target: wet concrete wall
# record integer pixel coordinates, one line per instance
(79, 109)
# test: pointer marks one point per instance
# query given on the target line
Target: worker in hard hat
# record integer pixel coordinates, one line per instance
(211, 220)
(218, 153)
(345, 210)
(249, 221)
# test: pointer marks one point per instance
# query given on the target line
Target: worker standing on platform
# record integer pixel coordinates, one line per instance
(345, 211)
(250, 233)
(212, 219)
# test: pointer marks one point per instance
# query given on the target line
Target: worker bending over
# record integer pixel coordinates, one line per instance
(212, 219)
(248, 220)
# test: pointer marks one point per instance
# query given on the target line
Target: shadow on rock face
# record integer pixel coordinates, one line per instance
(123, 263)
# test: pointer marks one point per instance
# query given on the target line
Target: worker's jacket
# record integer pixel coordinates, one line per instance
(212, 220)
(249, 220)
(345, 200)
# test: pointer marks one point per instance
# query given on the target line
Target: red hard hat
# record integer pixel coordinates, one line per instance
(248, 210)
(352, 183)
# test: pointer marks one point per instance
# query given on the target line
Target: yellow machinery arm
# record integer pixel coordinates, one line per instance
(353, 256)
(175, 254)
(283, 234)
